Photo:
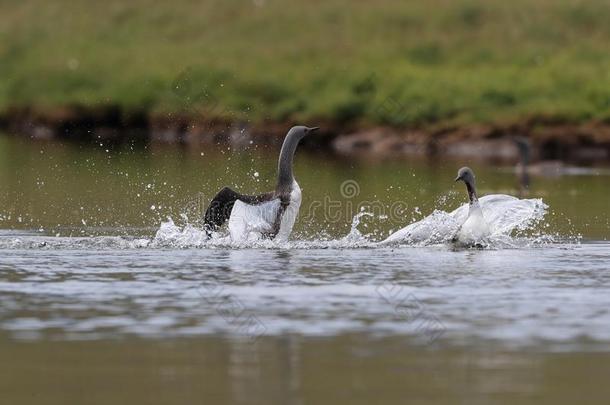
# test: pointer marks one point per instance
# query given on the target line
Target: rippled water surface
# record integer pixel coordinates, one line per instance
(557, 295)
(100, 289)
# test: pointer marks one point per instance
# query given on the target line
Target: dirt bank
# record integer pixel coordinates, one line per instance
(585, 143)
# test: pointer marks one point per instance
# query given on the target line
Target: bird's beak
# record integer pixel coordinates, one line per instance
(310, 130)
(458, 178)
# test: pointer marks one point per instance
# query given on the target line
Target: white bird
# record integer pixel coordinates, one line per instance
(490, 217)
(270, 215)
(475, 230)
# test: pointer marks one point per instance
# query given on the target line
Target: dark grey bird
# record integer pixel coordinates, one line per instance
(523, 146)
(544, 168)
(269, 215)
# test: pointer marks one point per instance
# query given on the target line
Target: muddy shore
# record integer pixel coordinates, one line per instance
(550, 139)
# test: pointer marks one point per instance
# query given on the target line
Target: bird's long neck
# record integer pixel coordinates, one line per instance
(472, 193)
(525, 158)
(522, 168)
(285, 177)
(524, 151)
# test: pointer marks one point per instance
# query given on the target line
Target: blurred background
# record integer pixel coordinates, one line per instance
(430, 74)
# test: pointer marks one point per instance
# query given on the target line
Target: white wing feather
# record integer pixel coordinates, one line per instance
(502, 213)
(248, 222)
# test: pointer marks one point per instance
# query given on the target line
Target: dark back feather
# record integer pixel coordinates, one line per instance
(221, 206)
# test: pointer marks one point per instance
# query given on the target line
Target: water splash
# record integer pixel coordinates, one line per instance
(510, 220)
(171, 235)
(514, 224)
(355, 236)
(188, 235)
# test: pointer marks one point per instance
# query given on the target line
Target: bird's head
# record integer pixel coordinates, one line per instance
(300, 131)
(466, 175)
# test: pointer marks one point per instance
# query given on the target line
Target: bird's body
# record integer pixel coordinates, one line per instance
(475, 230)
(501, 213)
(463, 229)
(270, 218)
(270, 215)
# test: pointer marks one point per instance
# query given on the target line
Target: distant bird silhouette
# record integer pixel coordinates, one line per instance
(546, 168)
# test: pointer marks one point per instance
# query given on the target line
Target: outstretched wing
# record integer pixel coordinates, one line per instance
(221, 205)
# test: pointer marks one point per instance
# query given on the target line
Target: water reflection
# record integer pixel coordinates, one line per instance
(291, 370)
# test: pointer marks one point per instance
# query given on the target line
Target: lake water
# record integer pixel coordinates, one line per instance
(99, 306)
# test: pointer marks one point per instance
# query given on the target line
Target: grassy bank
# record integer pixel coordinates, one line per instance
(388, 62)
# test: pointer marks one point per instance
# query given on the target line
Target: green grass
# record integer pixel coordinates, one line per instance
(384, 62)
